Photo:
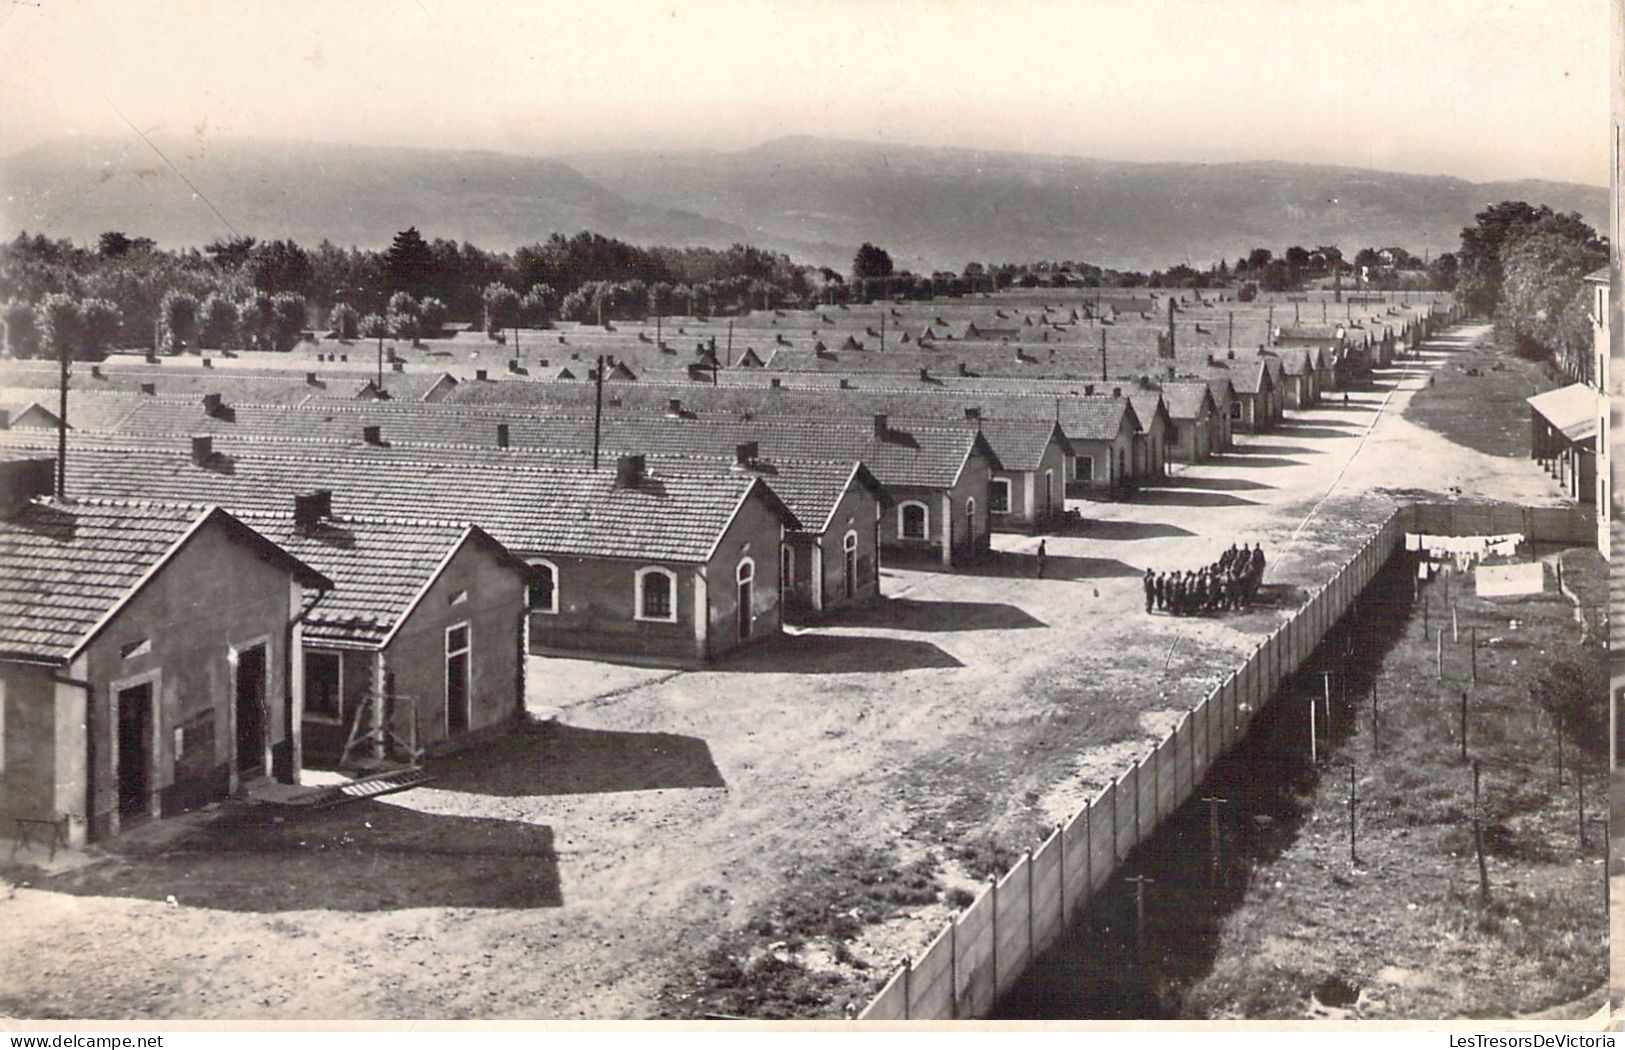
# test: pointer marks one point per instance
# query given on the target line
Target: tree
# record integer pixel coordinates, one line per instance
(217, 322)
(1543, 295)
(113, 244)
(177, 312)
(431, 316)
(538, 306)
(279, 267)
(232, 253)
(287, 321)
(100, 323)
(60, 324)
(344, 320)
(871, 261)
(1478, 285)
(409, 265)
(405, 317)
(373, 326)
(22, 331)
(1258, 258)
(501, 307)
(1297, 259)
(1442, 272)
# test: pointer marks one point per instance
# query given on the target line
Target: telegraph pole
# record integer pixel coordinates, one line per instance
(62, 415)
(598, 410)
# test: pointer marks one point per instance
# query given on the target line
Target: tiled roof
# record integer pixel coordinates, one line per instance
(65, 566)
(378, 567)
(1147, 403)
(1186, 400)
(528, 508)
(180, 380)
(1021, 444)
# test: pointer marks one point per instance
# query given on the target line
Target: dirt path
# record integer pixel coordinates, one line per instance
(987, 702)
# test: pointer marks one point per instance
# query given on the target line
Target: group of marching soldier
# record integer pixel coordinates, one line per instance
(1229, 583)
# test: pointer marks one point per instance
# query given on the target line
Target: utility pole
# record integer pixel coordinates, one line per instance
(1230, 331)
(1478, 843)
(729, 353)
(882, 329)
(598, 410)
(380, 359)
(62, 414)
(1103, 354)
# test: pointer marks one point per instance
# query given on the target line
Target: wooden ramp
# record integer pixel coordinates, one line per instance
(362, 788)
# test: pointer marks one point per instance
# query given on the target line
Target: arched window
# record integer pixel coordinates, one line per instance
(544, 587)
(746, 575)
(746, 571)
(656, 594)
(970, 518)
(913, 521)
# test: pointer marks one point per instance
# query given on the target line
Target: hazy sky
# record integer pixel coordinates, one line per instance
(1477, 88)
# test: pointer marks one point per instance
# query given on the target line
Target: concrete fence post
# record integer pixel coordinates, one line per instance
(1032, 945)
(908, 990)
(953, 968)
(993, 908)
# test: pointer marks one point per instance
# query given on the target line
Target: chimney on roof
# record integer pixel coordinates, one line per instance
(482, 375)
(1231, 355)
(96, 371)
(674, 407)
(202, 448)
(973, 413)
(372, 434)
(208, 362)
(398, 366)
(150, 389)
(881, 426)
(846, 384)
(775, 382)
(212, 404)
(502, 435)
(630, 469)
(22, 480)
(1117, 391)
(1088, 388)
(746, 453)
(1171, 372)
(5, 419)
(310, 509)
(310, 379)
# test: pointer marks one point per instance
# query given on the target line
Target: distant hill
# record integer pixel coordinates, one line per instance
(309, 191)
(815, 198)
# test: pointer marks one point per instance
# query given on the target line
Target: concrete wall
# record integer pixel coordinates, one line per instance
(213, 597)
(494, 610)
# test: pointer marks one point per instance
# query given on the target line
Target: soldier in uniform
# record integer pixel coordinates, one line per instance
(1149, 582)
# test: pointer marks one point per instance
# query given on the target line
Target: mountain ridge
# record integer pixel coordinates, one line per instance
(815, 198)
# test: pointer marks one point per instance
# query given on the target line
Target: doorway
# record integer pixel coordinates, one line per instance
(747, 576)
(134, 749)
(457, 679)
(251, 717)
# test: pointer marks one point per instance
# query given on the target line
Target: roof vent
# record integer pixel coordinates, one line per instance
(310, 379)
(674, 407)
(310, 509)
(882, 427)
(972, 412)
(746, 453)
(482, 375)
(630, 469)
(502, 435)
(212, 404)
(372, 434)
(202, 448)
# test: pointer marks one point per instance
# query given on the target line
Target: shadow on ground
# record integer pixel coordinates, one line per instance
(553, 758)
(817, 653)
(1187, 481)
(364, 856)
(1191, 498)
(910, 614)
(1125, 530)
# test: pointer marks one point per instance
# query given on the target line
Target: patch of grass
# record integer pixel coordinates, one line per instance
(984, 856)
(761, 973)
(1483, 411)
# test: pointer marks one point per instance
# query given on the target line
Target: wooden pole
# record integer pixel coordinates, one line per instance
(1438, 655)
(1478, 843)
(1474, 639)
(1580, 787)
(1353, 856)
(1314, 756)
(1560, 747)
(1376, 739)
(1140, 882)
(1326, 692)
(598, 410)
(62, 353)
(1464, 725)
(1214, 843)
(1455, 626)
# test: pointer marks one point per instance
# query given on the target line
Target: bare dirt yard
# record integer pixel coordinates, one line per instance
(765, 837)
